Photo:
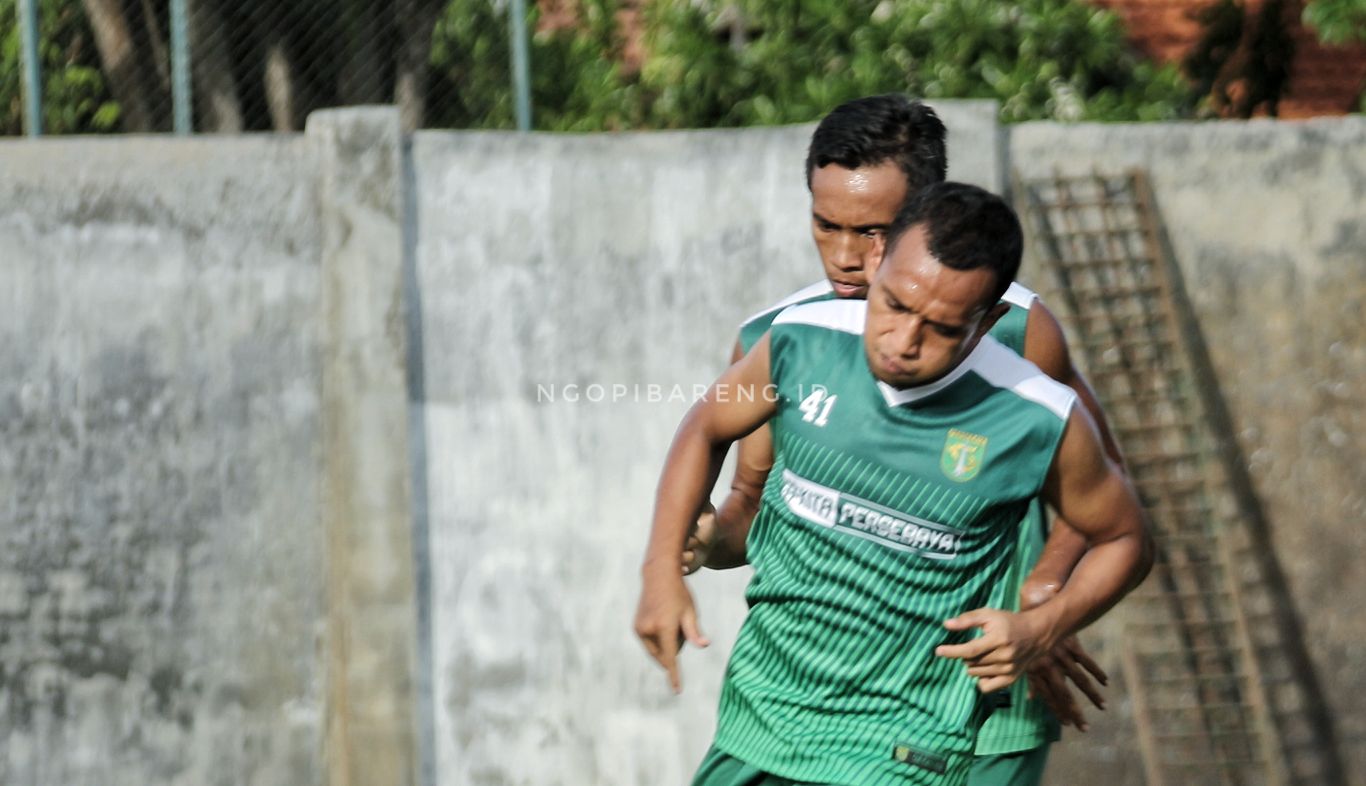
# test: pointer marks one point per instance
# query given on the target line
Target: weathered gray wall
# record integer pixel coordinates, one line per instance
(207, 574)
(161, 577)
(1268, 226)
(546, 261)
(366, 517)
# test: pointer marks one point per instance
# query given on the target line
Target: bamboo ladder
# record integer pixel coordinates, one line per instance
(1198, 638)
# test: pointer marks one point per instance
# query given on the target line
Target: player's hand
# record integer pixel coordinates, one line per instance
(1048, 678)
(1009, 644)
(700, 540)
(665, 619)
(1067, 661)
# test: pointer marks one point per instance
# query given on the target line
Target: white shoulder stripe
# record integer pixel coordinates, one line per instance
(1019, 295)
(1005, 369)
(819, 288)
(843, 315)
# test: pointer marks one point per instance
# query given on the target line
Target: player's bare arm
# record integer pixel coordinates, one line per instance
(1046, 347)
(735, 405)
(1093, 495)
(718, 539)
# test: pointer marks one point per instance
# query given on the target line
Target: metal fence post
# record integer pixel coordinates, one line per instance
(521, 67)
(180, 67)
(33, 84)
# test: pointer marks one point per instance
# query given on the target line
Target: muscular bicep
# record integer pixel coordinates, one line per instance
(1087, 489)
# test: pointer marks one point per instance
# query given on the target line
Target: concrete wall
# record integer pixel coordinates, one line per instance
(161, 573)
(1267, 226)
(620, 261)
(298, 493)
(366, 514)
(206, 562)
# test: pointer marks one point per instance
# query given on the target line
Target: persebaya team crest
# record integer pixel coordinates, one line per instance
(963, 455)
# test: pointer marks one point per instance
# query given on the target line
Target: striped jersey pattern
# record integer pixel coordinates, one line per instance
(887, 512)
(1022, 723)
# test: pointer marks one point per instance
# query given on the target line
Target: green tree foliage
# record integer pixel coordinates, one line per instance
(776, 61)
(263, 64)
(75, 98)
(1337, 21)
(577, 82)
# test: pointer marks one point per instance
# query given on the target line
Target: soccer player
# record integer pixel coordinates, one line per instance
(865, 156)
(907, 447)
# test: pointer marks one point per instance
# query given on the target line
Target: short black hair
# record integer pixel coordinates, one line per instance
(873, 130)
(966, 228)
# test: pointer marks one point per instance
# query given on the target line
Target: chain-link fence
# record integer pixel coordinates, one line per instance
(227, 66)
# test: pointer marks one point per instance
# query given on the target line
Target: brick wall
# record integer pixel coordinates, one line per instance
(1324, 80)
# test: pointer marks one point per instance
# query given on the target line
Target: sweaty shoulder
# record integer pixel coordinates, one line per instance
(1002, 368)
(756, 325)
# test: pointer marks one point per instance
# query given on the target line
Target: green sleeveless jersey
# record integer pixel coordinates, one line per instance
(754, 328)
(1024, 723)
(887, 512)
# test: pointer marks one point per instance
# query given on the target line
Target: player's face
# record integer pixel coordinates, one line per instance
(923, 317)
(850, 212)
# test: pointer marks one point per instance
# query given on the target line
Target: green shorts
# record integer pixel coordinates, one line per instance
(722, 769)
(1021, 768)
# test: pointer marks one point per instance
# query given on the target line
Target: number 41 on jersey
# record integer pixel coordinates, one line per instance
(816, 407)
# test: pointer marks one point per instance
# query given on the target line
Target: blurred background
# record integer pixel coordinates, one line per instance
(603, 65)
(332, 405)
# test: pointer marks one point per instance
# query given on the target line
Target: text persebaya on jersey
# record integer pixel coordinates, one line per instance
(830, 508)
